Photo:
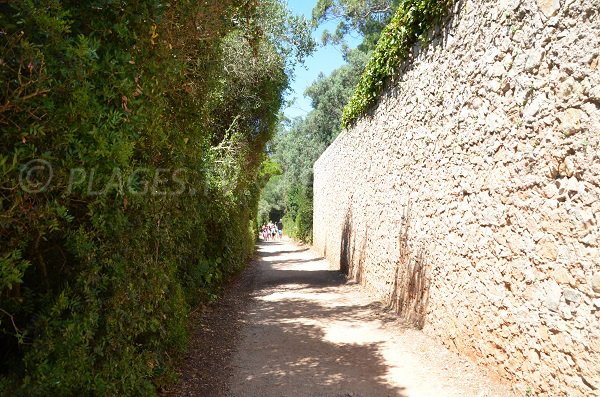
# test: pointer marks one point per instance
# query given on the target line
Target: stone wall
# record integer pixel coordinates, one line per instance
(469, 199)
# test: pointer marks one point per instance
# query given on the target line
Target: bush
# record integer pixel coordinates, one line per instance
(298, 221)
(155, 151)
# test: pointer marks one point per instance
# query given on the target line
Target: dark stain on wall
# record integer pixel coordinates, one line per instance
(410, 293)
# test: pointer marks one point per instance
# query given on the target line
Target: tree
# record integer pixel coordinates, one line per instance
(367, 18)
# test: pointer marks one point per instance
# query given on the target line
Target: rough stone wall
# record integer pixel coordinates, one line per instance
(469, 199)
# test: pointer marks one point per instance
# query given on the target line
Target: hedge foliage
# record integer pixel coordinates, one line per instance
(413, 20)
(298, 219)
(97, 278)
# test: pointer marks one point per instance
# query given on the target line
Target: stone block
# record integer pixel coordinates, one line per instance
(571, 121)
(546, 249)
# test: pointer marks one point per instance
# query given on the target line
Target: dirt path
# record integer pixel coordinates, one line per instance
(292, 327)
(308, 333)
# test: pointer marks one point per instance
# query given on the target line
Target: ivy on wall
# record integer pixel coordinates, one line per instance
(413, 19)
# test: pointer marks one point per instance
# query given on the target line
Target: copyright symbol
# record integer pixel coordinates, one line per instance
(35, 176)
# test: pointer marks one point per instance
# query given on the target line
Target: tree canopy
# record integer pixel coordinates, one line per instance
(366, 18)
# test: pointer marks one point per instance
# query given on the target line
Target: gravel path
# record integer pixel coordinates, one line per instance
(301, 330)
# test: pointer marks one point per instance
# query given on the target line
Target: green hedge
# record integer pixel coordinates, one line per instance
(298, 220)
(413, 20)
(95, 288)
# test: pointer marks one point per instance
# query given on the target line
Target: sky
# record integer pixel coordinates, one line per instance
(324, 60)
